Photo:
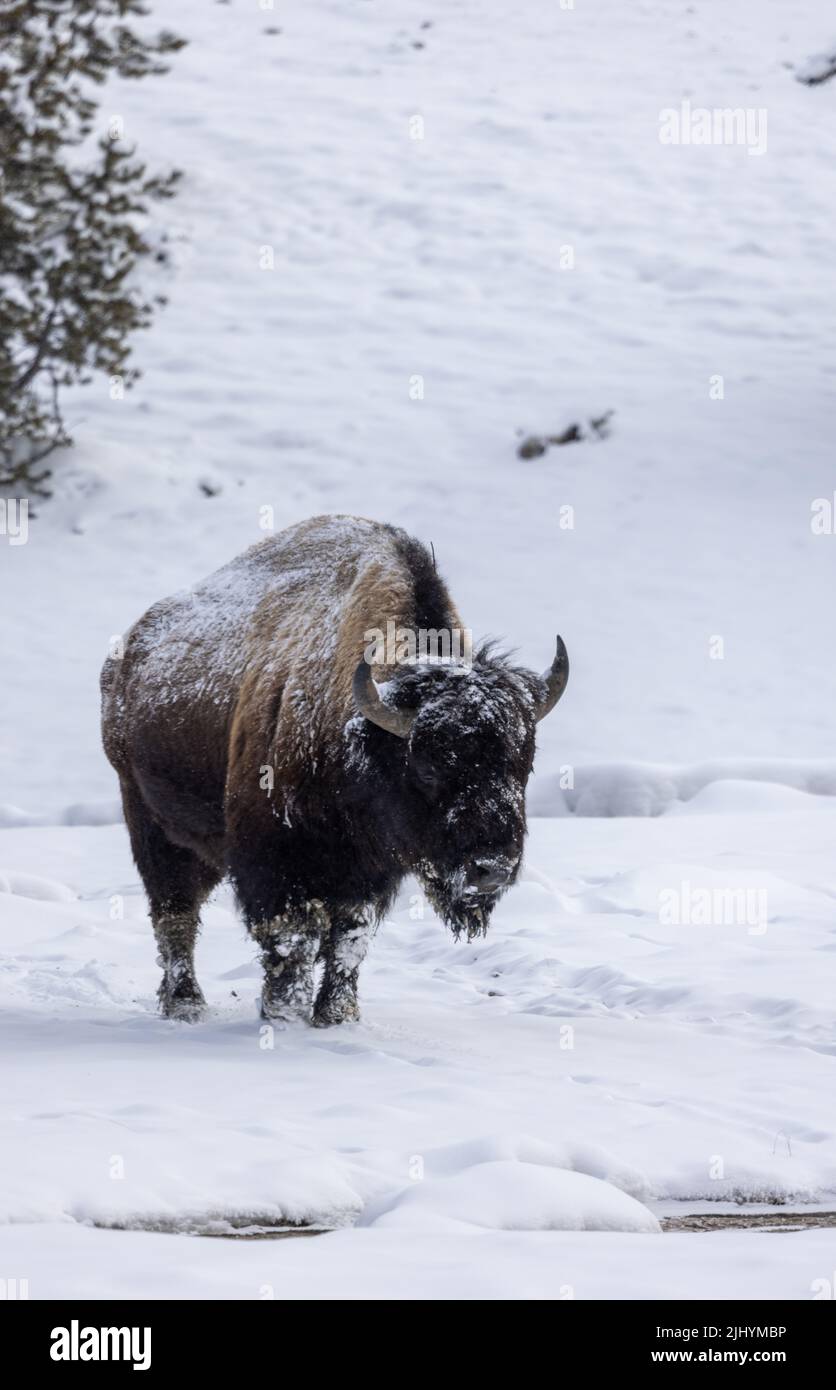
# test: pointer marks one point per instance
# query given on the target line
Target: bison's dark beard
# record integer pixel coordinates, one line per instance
(466, 912)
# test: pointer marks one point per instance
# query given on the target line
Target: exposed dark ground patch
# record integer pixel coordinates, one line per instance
(750, 1221)
(221, 1228)
(697, 1222)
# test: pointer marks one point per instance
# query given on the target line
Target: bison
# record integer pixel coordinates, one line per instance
(253, 739)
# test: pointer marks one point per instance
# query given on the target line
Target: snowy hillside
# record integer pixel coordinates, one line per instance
(440, 258)
(406, 239)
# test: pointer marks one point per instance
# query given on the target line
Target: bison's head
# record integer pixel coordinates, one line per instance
(467, 751)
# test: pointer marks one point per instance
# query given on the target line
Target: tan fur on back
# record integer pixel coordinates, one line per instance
(256, 663)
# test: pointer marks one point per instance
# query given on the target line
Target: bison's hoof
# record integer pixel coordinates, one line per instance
(335, 1011)
(280, 1012)
(184, 1010)
(183, 1004)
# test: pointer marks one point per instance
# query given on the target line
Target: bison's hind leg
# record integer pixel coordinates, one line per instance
(179, 994)
(344, 948)
(177, 882)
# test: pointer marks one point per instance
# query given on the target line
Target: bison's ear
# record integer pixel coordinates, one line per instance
(554, 679)
(368, 701)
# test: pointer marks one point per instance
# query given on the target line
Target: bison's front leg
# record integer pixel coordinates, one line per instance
(343, 949)
(289, 946)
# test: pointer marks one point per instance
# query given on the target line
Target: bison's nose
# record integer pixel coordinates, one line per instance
(487, 875)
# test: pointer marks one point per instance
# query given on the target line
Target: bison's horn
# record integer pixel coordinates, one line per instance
(369, 703)
(554, 680)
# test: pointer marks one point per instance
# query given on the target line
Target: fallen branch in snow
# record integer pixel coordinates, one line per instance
(818, 68)
(534, 444)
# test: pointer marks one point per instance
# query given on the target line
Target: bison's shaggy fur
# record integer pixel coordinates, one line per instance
(231, 720)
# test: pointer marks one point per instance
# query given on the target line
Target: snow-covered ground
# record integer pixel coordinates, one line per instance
(509, 1115)
(587, 1064)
